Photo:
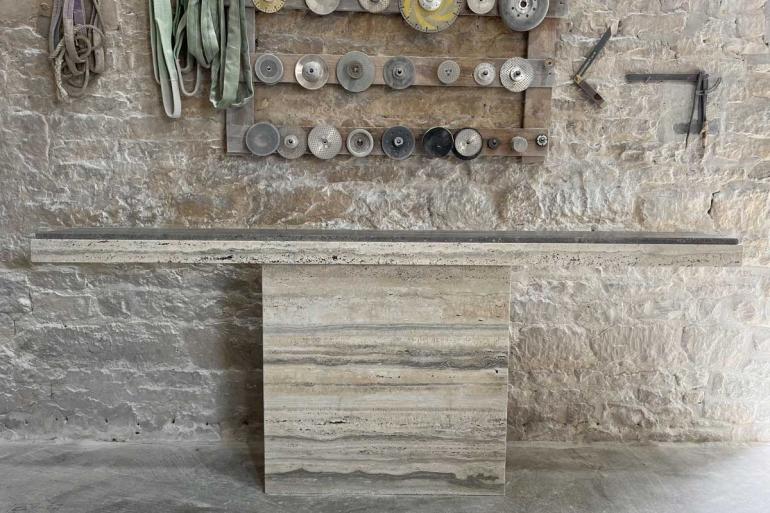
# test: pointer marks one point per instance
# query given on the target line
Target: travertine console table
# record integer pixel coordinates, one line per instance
(385, 353)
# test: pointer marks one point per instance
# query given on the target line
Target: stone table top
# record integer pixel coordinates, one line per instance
(367, 247)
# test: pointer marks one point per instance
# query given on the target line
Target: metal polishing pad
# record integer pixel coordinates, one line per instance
(468, 144)
(374, 5)
(429, 15)
(481, 6)
(311, 72)
(268, 68)
(293, 142)
(360, 142)
(484, 74)
(398, 73)
(322, 7)
(522, 15)
(398, 142)
(324, 141)
(448, 72)
(516, 74)
(269, 6)
(355, 71)
(437, 142)
(262, 139)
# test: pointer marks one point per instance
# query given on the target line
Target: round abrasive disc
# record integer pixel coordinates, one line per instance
(360, 142)
(311, 72)
(269, 6)
(429, 15)
(522, 15)
(398, 142)
(322, 7)
(484, 74)
(448, 72)
(468, 144)
(374, 5)
(324, 141)
(262, 139)
(355, 72)
(398, 73)
(268, 68)
(517, 74)
(293, 142)
(481, 6)
(437, 142)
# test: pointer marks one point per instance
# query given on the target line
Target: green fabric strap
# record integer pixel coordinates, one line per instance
(163, 58)
(231, 84)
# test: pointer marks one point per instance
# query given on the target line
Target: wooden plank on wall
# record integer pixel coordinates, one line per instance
(537, 100)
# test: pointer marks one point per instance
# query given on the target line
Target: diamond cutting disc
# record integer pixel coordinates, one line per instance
(293, 142)
(429, 15)
(398, 73)
(484, 74)
(360, 142)
(311, 72)
(448, 72)
(522, 15)
(355, 71)
(398, 142)
(262, 139)
(437, 142)
(374, 5)
(516, 74)
(269, 6)
(322, 7)
(480, 6)
(268, 68)
(468, 144)
(324, 141)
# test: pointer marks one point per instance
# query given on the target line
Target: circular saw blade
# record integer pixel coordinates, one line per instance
(268, 68)
(374, 5)
(484, 73)
(517, 74)
(293, 142)
(269, 6)
(522, 15)
(398, 142)
(355, 71)
(311, 71)
(322, 7)
(419, 18)
(468, 144)
(324, 142)
(360, 142)
(481, 6)
(262, 139)
(448, 72)
(437, 142)
(398, 73)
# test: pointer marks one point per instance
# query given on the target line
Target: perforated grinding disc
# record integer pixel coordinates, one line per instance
(262, 139)
(355, 72)
(324, 142)
(360, 142)
(398, 73)
(484, 74)
(516, 74)
(448, 72)
(374, 5)
(398, 142)
(269, 6)
(311, 72)
(481, 6)
(437, 142)
(468, 144)
(522, 15)
(418, 15)
(268, 68)
(293, 142)
(322, 7)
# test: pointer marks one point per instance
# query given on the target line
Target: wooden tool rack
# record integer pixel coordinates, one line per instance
(540, 52)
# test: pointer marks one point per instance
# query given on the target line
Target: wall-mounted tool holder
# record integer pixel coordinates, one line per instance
(519, 140)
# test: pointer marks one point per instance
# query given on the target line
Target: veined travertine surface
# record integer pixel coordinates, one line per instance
(385, 379)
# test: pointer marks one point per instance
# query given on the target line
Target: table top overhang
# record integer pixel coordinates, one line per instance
(368, 247)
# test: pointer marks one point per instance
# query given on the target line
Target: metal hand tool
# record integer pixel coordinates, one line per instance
(579, 77)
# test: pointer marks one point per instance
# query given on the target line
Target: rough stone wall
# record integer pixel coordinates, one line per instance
(142, 352)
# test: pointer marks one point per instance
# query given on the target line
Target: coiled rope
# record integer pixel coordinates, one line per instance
(187, 36)
(76, 45)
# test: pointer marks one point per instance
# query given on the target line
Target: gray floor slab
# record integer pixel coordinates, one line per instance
(193, 477)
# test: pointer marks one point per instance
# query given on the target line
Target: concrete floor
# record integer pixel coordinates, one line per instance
(184, 477)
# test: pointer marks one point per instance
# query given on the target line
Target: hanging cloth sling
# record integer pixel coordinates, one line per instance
(76, 45)
(194, 34)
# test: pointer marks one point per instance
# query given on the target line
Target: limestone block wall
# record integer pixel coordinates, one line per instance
(148, 353)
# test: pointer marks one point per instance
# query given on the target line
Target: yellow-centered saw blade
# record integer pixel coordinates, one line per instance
(269, 6)
(429, 15)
